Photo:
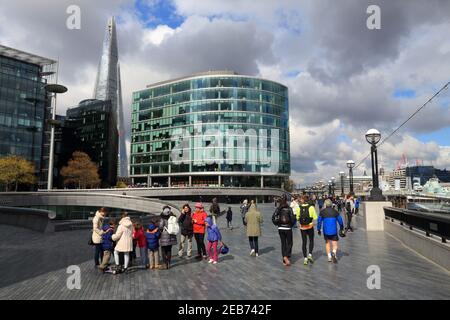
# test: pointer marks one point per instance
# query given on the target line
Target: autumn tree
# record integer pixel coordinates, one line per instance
(289, 185)
(81, 171)
(15, 170)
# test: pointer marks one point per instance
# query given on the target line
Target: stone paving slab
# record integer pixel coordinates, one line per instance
(33, 266)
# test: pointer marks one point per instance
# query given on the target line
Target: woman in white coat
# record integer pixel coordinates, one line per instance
(124, 240)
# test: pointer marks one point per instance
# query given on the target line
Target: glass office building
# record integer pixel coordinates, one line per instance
(211, 129)
(23, 104)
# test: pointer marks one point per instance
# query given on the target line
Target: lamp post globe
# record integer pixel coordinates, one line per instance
(373, 136)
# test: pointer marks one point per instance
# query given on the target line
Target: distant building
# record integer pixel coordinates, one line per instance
(24, 107)
(90, 127)
(425, 173)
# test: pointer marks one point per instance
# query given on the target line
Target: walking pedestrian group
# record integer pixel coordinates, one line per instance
(154, 242)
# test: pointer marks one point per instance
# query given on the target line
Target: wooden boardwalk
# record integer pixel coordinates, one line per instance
(33, 266)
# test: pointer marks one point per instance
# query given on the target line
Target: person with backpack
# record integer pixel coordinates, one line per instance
(284, 219)
(198, 220)
(244, 209)
(169, 228)
(214, 210)
(306, 214)
(329, 217)
(229, 218)
(187, 231)
(214, 237)
(253, 220)
(97, 232)
(349, 210)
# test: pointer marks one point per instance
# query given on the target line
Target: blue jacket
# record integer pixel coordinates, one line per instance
(357, 203)
(213, 231)
(107, 243)
(330, 218)
(152, 238)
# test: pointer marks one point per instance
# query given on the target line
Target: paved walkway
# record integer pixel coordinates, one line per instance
(33, 266)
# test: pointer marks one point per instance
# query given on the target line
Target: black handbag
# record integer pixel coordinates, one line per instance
(90, 242)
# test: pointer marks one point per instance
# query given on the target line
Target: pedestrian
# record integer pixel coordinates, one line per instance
(244, 209)
(306, 215)
(141, 243)
(320, 202)
(124, 242)
(284, 219)
(357, 203)
(214, 210)
(214, 237)
(198, 219)
(349, 210)
(253, 220)
(168, 226)
(152, 235)
(329, 217)
(187, 231)
(107, 244)
(229, 218)
(97, 232)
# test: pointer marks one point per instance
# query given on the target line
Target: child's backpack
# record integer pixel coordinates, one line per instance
(173, 228)
(305, 218)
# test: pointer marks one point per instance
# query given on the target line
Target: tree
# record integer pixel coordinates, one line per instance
(289, 185)
(15, 170)
(81, 171)
(121, 185)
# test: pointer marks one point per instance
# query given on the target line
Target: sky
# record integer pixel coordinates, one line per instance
(343, 78)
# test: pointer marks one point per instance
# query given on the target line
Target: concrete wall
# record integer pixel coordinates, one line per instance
(431, 248)
(34, 219)
(88, 199)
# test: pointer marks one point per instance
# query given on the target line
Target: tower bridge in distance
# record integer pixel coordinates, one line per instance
(409, 249)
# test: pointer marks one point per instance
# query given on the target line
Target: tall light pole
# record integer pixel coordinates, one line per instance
(332, 185)
(53, 89)
(373, 136)
(341, 174)
(350, 165)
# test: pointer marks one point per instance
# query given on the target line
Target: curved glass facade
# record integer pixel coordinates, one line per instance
(213, 129)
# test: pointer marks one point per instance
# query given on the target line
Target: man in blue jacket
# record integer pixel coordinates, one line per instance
(330, 218)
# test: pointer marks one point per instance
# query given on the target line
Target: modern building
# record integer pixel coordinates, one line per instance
(216, 128)
(425, 173)
(108, 87)
(24, 105)
(90, 127)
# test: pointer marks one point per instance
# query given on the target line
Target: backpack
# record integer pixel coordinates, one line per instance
(173, 228)
(305, 219)
(281, 217)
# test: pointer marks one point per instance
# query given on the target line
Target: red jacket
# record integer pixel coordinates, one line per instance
(140, 237)
(198, 219)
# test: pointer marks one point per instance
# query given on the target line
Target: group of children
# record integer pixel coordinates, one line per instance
(146, 242)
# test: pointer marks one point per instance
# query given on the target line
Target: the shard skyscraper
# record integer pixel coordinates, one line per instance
(108, 87)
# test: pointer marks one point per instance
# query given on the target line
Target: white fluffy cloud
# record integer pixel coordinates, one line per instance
(341, 77)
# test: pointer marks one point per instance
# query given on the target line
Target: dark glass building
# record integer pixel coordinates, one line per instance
(425, 173)
(91, 127)
(211, 129)
(23, 104)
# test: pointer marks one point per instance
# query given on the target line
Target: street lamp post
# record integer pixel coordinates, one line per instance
(332, 185)
(53, 89)
(373, 136)
(341, 174)
(329, 187)
(350, 165)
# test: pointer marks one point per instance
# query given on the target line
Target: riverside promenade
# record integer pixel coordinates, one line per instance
(34, 266)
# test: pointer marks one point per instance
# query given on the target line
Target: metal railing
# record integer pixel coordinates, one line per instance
(431, 223)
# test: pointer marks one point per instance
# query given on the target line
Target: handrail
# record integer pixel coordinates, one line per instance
(432, 223)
